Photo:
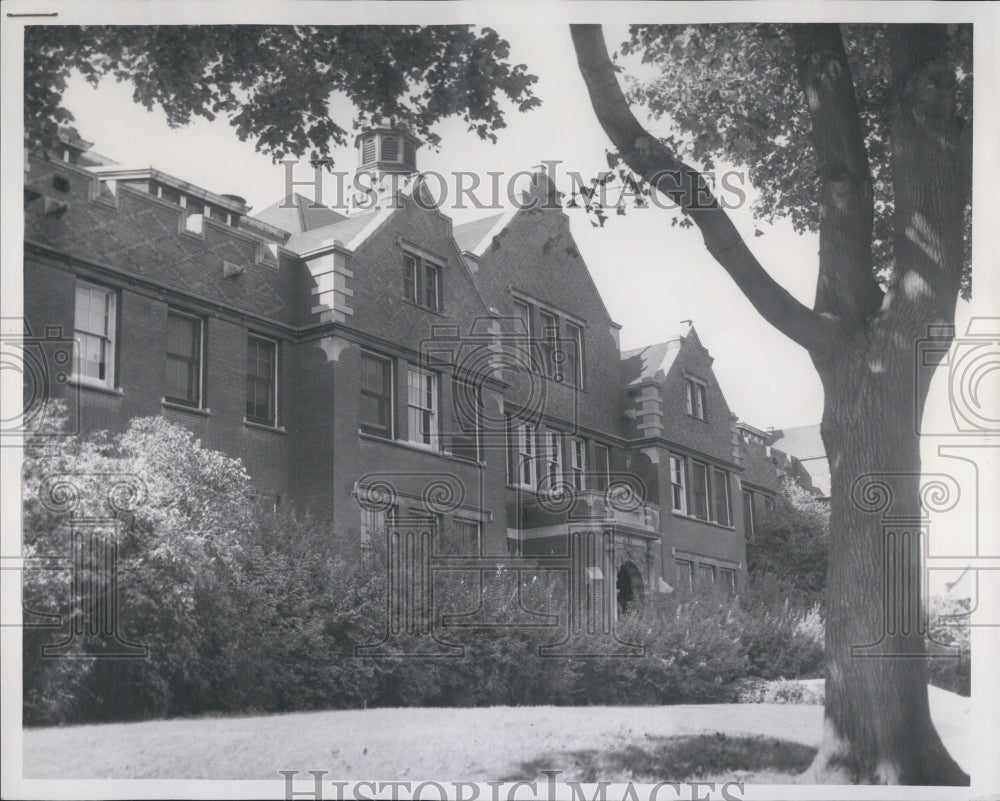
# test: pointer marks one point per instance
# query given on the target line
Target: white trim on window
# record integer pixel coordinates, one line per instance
(259, 420)
(95, 326)
(422, 408)
(197, 359)
(678, 484)
(553, 459)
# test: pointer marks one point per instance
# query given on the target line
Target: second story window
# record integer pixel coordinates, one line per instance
(94, 331)
(421, 282)
(699, 490)
(375, 414)
(696, 399)
(184, 359)
(578, 467)
(602, 467)
(721, 504)
(262, 381)
(522, 311)
(573, 347)
(678, 485)
(749, 522)
(522, 451)
(548, 346)
(553, 459)
(422, 407)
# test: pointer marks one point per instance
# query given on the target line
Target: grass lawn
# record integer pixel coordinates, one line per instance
(766, 743)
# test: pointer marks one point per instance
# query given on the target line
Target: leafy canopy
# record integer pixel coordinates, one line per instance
(276, 83)
(731, 93)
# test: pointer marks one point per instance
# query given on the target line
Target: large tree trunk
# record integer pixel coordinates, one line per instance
(862, 340)
(877, 725)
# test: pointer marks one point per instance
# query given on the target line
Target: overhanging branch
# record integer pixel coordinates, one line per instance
(647, 156)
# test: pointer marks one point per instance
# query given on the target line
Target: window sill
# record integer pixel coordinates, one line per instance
(702, 520)
(699, 419)
(415, 446)
(421, 306)
(180, 407)
(96, 386)
(263, 427)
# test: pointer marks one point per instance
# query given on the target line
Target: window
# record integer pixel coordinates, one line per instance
(524, 464)
(373, 523)
(768, 503)
(421, 282)
(750, 524)
(375, 414)
(578, 463)
(696, 398)
(699, 490)
(467, 441)
(94, 332)
(678, 496)
(685, 574)
(549, 345)
(523, 313)
(602, 467)
(728, 579)
(721, 505)
(467, 535)
(574, 354)
(184, 359)
(553, 459)
(262, 381)
(421, 407)
(706, 575)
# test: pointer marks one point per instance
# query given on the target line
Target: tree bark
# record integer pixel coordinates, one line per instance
(877, 725)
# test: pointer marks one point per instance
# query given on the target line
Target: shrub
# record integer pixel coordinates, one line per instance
(948, 629)
(782, 638)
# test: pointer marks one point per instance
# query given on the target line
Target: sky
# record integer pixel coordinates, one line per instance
(651, 276)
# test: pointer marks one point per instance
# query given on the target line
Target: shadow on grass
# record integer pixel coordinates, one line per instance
(676, 759)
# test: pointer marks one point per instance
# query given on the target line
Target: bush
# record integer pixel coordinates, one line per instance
(247, 610)
(783, 639)
(949, 630)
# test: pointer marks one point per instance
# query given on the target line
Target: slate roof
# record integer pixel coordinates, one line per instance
(344, 230)
(470, 234)
(293, 214)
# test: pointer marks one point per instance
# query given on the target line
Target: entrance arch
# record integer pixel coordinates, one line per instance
(629, 585)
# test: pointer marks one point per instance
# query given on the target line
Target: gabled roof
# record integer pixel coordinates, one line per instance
(348, 231)
(471, 235)
(659, 358)
(295, 214)
(653, 359)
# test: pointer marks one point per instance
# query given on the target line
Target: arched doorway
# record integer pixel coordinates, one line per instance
(629, 585)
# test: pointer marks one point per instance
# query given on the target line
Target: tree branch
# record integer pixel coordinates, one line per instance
(647, 156)
(846, 285)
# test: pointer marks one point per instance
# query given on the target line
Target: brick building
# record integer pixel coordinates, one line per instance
(386, 365)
